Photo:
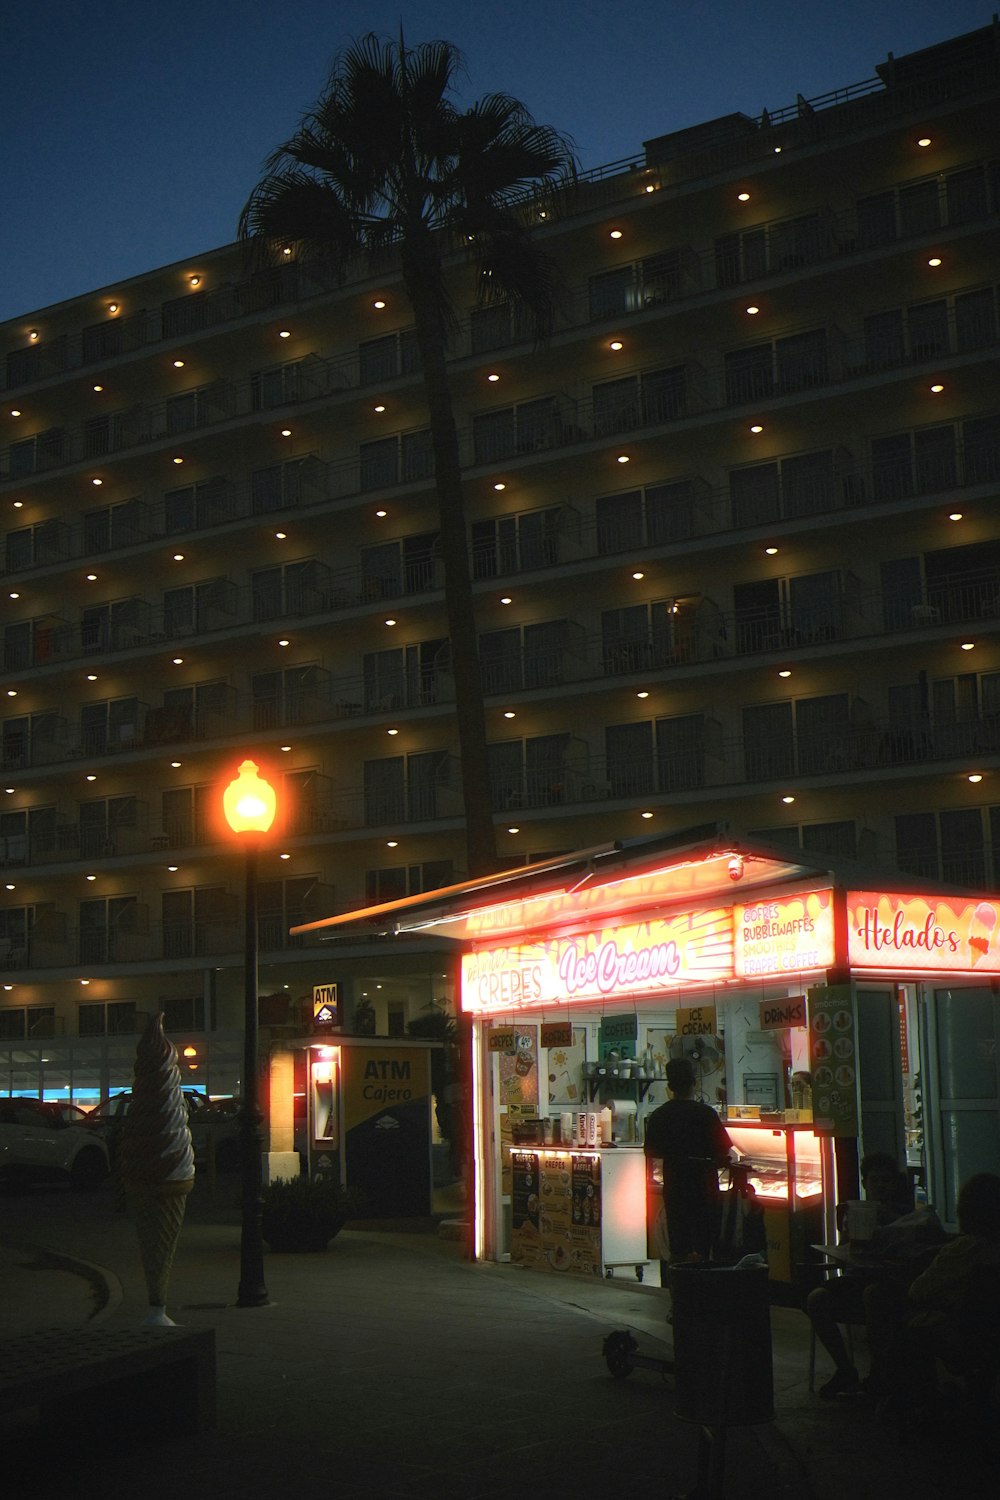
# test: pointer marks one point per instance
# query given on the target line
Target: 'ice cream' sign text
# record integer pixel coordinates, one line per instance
(654, 956)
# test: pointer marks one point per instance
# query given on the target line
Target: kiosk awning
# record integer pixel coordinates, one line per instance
(604, 881)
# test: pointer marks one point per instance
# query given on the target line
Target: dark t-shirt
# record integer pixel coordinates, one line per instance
(689, 1138)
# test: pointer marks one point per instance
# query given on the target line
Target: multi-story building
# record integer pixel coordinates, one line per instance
(734, 531)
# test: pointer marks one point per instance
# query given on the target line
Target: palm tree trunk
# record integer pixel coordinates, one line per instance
(480, 834)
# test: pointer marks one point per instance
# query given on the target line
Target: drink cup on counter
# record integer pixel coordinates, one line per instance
(567, 1127)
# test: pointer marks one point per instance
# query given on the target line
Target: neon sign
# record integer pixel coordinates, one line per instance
(657, 956)
(939, 934)
(784, 937)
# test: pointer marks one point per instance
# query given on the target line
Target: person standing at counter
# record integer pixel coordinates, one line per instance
(689, 1138)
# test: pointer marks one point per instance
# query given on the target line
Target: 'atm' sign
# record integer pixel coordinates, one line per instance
(325, 1007)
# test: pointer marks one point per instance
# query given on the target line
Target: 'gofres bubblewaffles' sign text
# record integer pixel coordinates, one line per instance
(941, 934)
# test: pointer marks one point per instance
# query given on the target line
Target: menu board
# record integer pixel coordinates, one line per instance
(526, 1244)
(833, 1058)
(586, 1236)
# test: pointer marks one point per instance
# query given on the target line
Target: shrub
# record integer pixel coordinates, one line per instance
(305, 1213)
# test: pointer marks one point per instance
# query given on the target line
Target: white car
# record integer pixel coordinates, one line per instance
(43, 1141)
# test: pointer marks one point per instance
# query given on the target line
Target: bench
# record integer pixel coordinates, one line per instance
(143, 1381)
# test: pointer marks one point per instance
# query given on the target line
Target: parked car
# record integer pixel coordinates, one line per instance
(215, 1131)
(106, 1119)
(46, 1141)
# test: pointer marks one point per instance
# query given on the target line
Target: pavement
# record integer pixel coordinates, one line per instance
(391, 1367)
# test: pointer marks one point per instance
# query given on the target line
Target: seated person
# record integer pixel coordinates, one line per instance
(951, 1311)
(841, 1300)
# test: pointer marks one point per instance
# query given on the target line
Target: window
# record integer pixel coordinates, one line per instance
(389, 460)
(981, 449)
(802, 361)
(199, 607)
(610, 293)
(102, 823)
(199, 505)
(740, 257)
(876, 220)
(405, 677)
(199, 921)
(822, 732)
(298, 588)
(114, 627)
(919, 208)
(386, 357)
(286, 485)
(282, 904)
(114, 724)
(948, 845)
(975, 320)
(838, 840)
(296, 695)
(392, 882)
(966, 196)
(753, 495)
(115, 1018)
(113, 526)
(404, 788)
(749, 374)
(927, 330)
(183, 1013)
(512, 544)
(104, 923)
(768, 744)
(184, 812)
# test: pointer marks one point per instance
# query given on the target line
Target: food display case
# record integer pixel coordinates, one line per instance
(787, 1166)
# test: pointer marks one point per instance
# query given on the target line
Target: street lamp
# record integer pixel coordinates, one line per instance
(249, 803)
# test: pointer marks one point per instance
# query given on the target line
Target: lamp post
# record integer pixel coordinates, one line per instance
(249, 804)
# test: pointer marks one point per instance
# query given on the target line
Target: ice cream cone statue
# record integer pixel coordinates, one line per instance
(157, 1161)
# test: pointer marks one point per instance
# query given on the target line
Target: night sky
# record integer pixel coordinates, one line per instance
(133, 130)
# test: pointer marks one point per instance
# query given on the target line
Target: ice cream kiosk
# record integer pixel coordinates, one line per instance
(795, 989)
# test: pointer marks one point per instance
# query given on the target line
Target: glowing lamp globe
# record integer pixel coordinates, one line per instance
(249, 802)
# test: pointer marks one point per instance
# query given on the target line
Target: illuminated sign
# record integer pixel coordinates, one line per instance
(658, 956)
(325, 1006)
(784, 937)
(936, 934)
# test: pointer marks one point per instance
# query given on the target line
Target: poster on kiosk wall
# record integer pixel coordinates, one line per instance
(387, 1128)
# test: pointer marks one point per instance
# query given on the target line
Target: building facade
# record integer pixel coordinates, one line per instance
(734, 533)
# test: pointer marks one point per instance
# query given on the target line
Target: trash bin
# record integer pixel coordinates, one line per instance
(722, 1345)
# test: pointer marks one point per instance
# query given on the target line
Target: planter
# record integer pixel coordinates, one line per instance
(302, 1215)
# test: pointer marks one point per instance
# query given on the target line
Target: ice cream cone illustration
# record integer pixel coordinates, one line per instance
(157, 1161)
(981, 928)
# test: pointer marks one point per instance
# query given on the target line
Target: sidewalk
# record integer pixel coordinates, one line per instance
(393, 1369)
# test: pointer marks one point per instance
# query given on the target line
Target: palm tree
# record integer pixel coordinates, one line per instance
(385, 168)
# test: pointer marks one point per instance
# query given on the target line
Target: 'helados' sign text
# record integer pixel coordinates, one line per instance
(940, 934)
(655, 956)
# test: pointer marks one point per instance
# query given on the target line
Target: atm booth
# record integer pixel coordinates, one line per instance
(820, 1008)
(367, 1117)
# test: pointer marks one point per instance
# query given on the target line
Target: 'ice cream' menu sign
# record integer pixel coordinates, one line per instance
(938, 934)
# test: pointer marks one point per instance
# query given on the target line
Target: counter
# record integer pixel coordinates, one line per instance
(581, 1212)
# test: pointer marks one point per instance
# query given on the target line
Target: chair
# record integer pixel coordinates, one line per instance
(831, 1270)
